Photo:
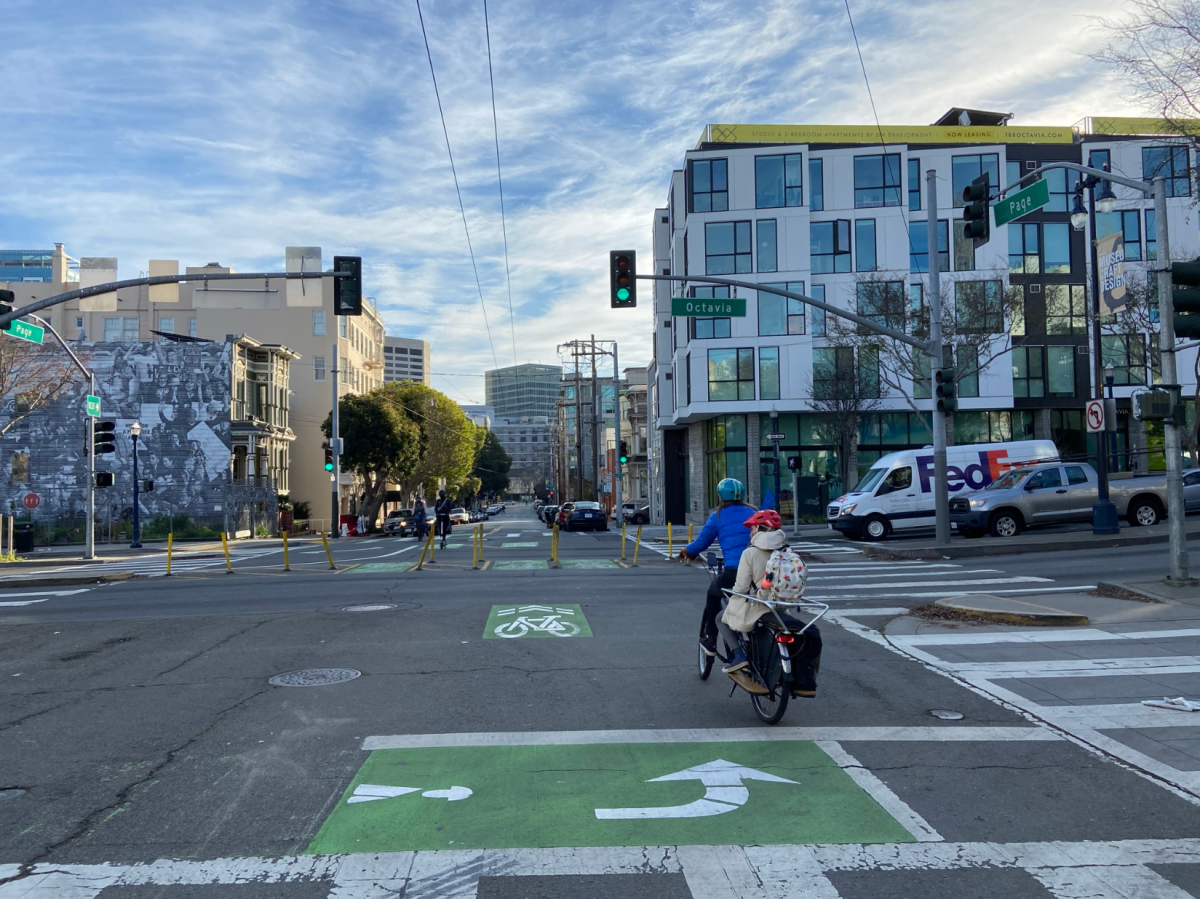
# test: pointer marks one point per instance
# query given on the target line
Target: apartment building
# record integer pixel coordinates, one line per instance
(296, 314)
(840, 214)
(406, 359)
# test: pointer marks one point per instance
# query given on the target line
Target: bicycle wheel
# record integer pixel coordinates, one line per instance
(705, 660)
(770, 707)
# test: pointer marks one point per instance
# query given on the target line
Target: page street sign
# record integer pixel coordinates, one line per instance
(732, 308)
(1022, 203)
(26, 331)
(93, 406)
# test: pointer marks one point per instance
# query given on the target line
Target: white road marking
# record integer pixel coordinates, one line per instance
(1080, 635)
(27, 602)
(723, 793)
(712, 735)
(860, 575)
(23, 595)
(975, 582)
(1118, 715)
(881, 793)
(1151, 665)
(1039, 590)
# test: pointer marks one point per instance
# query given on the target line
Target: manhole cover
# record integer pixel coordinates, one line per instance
(11, 793)
(946, 714)
(314, 677)
(370, 607)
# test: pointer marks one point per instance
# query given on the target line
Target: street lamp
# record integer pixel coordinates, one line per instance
(134, 430)
(1100, 195)
(775, 442)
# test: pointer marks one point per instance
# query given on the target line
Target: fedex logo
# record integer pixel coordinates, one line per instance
(975, 476)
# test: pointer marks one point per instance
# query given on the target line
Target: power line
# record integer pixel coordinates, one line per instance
(500, 183)
(457, 189)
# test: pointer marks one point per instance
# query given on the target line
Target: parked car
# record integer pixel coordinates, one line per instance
(1191, 490)
(495, 509)
(399, 523)
(639, 514)
(563, 513)
(585, 516)
(1051, 494)
(459, 516)
(549, 513)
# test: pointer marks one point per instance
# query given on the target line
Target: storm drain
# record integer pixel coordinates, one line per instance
(11, 793)
(946, 714)
(314, 677)
(370, 607)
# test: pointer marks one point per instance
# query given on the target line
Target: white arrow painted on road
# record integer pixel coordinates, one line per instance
(724, 792)
(372, 792)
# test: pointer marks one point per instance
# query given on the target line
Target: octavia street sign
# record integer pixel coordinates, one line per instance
(734, 307)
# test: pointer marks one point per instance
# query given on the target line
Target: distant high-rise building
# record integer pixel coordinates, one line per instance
(405, 359)
(480, 415)
(524, 391)
(40, 266)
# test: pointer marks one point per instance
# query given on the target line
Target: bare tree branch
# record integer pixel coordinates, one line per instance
(31, 376)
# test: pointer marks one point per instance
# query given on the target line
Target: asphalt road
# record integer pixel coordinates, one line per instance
(520, 731)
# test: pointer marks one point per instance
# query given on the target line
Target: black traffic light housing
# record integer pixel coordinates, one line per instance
(147, 486)
(622, 276)
(105, 437)
(347, 292)
(329, 460)
(1185, 295)
(945, 390)
(104, 479)
(7, 298)
(624, 457)
(977, 219)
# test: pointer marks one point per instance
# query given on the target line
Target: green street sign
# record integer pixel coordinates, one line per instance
(26, 331)
(1022, 203)
(93, 406)
(695, 306)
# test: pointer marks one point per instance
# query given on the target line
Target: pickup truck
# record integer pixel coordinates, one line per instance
(1052, 493)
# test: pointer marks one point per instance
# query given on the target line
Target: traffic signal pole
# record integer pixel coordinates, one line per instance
(335, 524)
(618, 468)
(941, 494)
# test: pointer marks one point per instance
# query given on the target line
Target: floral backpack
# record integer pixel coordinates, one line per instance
(784, 578)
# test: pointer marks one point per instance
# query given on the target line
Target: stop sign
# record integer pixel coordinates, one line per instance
(32, 500)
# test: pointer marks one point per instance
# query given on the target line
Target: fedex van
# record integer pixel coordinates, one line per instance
(896, 493)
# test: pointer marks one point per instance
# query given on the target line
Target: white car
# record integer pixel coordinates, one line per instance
(460, 516)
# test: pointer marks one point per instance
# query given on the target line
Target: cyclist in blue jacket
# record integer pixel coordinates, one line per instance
(727, 527)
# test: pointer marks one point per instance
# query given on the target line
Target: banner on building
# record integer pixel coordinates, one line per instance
(890, 134)
(1110, 253)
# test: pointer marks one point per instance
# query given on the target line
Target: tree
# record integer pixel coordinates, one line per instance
(492, 466)
(449, 441)
(31, 376)
(381, 445)
(843, 388)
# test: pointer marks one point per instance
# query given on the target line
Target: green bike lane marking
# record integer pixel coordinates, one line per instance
(518, 545)
(623, 794)
(513, 621)
(588, 563)
(378, 567)
(521, 565)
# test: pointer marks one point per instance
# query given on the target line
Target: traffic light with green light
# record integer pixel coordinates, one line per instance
(1185, 294)
(622, 272)
(945, 390)
(977, 220)
(329, 460)
(624, 452)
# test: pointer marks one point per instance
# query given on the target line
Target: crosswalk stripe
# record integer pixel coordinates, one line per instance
(885, 574)
(974, 582)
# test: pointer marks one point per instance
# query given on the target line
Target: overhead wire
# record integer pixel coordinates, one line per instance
(457, 189)
(500, 182)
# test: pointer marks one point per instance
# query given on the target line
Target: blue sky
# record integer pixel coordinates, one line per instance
(225, 131)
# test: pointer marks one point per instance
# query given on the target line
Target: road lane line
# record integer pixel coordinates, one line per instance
(881, 793)
(24, 595)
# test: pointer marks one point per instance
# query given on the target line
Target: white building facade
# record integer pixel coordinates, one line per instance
(845, 218)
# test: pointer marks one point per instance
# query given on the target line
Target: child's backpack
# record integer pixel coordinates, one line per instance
(784, 578)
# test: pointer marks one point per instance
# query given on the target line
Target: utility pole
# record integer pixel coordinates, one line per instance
(597, 419)
(335, 447)
(941, 495)
(618, 468)
(578, 424)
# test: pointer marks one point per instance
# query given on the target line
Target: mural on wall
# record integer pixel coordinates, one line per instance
(180, 392)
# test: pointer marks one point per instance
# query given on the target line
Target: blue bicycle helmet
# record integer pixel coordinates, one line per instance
(731, 490)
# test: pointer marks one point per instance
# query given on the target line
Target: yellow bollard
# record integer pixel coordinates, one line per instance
(481, 544)
(690, 526)
(225, 546)
(328, 553)
(286, 565)
(474, 550)
(170, 538)
(554, 547)
(428, 547)
(670, 542)
(623, 525)
(432, 542)
(637, 544)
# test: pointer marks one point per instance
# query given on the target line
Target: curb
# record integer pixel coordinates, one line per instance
(993, 546)
(66, 580)
(1047, 618)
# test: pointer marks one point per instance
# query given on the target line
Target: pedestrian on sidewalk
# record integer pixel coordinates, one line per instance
(441, 511)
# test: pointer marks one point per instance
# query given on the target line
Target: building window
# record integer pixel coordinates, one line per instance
(341, 326)
(829, 246)
(1127, 354)
(166, 324)
(121, 328)
(730, 375)
(1170, 163)
(817, 292)
(768, 373)
(318, 368)
(191, 327)
(781, 315)
(709, 328)
(918, 246)
(967, 370)
(1056, 249)
(1056, 179)
(725, 451)
(1066, 308)
(883, 302)
(1128, 223)
(1024, 250)
(709, 185)
(967, 168)
(1099, 159)
(1060, 370)
(319, 322)
(1029, 378)
(864, 240)
(726, 248)
(979, 306)
(768, 253)
(79, 321)
(876, 181)
(916, 306)
(914, 184)
(816, 184)
(19, 470)
(835, 375)
(1151, 237)
(778, 181)
(1012, 171)
(964, 249)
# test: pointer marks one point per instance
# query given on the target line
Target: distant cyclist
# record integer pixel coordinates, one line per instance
(727, 526)
(441, 513)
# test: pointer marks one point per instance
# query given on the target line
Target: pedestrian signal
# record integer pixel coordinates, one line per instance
(104, 479)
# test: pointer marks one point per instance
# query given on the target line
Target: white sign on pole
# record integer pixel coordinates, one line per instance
(1095, 416)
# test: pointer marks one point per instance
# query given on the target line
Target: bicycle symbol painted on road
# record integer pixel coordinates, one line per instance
(511, 622)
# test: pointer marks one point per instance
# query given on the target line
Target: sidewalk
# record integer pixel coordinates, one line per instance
(52, 556)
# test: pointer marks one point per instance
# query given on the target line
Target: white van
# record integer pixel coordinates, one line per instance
(896, 493)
